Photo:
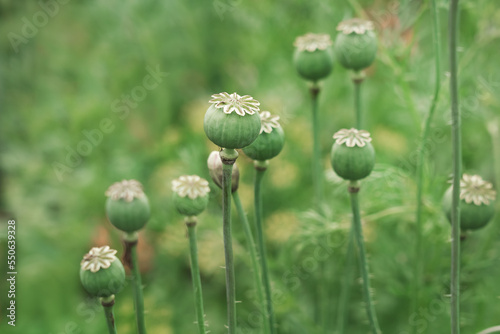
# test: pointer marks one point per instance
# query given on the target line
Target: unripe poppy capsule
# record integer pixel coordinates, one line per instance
(101, 272)
(313, 57)
(127, 207)
(352, 155)
(477, 202)
(355, 44)
(190, 194)
(232, 121)
(271, 140)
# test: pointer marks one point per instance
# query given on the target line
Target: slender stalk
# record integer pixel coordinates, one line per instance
(260, 169)
(422, 151)
(357, 79)
(228, 157)
(107, 304)
(457, 171)
(357, 100)
(195, 274)
(358, 235)
(133, 263)
(316, 161)
(252, 249)
(494, 129)
(346, 283)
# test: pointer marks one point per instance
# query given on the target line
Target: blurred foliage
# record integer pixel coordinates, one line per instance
(71, 75)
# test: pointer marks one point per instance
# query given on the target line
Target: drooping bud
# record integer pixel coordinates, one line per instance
(214, 164)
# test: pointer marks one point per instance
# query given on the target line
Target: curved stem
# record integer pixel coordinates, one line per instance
(195, 274)
(490, 330)
(316, 160)
(107, 304)
(228, 157)
(421, 157)
(346, 283)
(131, 240)
(252, 249)
(260, 241)
(358, 235)
(457, 171)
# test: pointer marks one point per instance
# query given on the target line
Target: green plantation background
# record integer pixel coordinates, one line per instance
(135, 77)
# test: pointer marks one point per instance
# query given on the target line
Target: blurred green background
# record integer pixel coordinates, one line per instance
(69, 69)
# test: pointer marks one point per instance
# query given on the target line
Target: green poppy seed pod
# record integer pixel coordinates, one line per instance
(313, 57)
(477, 202)
(352, 156)
(101, 272)
(127, 206)
(232, 121)
(356, 44)
(190, 194)
(214, 164)
(270, 141)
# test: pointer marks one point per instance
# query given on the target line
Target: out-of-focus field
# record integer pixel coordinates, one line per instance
(81, 72)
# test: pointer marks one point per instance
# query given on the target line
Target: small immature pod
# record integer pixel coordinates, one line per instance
(313, 56)
(270, 141)
(101, 272)
(232, 121)
(352, 156)
(127, 206)
(477, 202)
(190, 194)
(356, 44)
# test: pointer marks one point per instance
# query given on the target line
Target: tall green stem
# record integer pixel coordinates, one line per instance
(457, 171)
(421, 157)
(358, 234)
(195, 273)
(252, 249)
(228, 157)
(316, 161)
(346, 283)
(260, 169)
(131, 255)
(358, 80)
(107, 304)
